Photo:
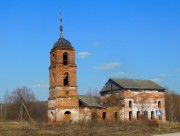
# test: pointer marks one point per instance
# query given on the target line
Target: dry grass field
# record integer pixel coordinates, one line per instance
(83, 129)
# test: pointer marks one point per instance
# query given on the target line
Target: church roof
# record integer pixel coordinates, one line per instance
(63, 44)
(132, 84)
(89, 101)
(137, 84)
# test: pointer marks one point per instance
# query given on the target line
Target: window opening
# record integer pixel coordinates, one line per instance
(104, 115)
(115, 115)
(152, 115)
(67, 112)
(159, 104)
(66, 79)
(130, 104)
(51, 113)
(65, 58)
(138, 115)
(67, 116)
(130, 115)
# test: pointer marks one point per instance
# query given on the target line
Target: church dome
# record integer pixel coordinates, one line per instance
(62, 43)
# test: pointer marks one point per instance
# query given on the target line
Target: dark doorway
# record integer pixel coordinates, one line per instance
(67, 115)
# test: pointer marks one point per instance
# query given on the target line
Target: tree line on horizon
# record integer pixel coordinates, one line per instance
(22, 104)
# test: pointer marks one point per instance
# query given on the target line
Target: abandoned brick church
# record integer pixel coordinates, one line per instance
(123, 99)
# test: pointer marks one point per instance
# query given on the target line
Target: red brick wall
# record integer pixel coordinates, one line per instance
(66, 97)
(67, 102)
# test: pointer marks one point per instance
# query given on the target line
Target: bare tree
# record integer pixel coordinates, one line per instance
(18, 97)
(22, 94)
(5, 104)
(170, 105)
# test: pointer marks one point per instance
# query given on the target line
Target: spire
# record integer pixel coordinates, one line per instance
(61, 25)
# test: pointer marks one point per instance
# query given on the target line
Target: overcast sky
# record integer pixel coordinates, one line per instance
(137, 39)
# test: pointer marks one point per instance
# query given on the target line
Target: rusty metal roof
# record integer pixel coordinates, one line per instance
(137, 84)
(117, 84)
(62, 44)
(90, 101)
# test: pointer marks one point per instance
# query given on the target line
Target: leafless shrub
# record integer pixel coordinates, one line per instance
(15, 100)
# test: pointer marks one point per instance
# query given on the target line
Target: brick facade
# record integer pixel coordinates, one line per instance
(63, 96)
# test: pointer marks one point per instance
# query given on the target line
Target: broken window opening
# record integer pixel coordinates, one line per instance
(152, 115)
(130, 115)
(115, 115)
(66, 79)
(130, 104)
(159, 104)
(65, 58)
(67, 112)
(138, 115)
(104, 115)
(51, 113)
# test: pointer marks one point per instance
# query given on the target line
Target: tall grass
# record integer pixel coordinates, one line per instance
(91, 128)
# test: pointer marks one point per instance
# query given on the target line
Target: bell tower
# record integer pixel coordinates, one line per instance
(63, 103)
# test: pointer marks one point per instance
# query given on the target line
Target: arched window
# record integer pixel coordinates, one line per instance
(66, 79)
(67, 112)
(67, 116)
(152, 115)
(104, 115)
(65, 58)
(130, 104)
(130, 115)
(138, 115)
(159, 104)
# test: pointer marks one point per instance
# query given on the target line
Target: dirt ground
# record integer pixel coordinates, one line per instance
(170, 134)
(14, 128)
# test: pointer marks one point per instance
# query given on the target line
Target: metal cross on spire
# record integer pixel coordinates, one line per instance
(61, 25)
